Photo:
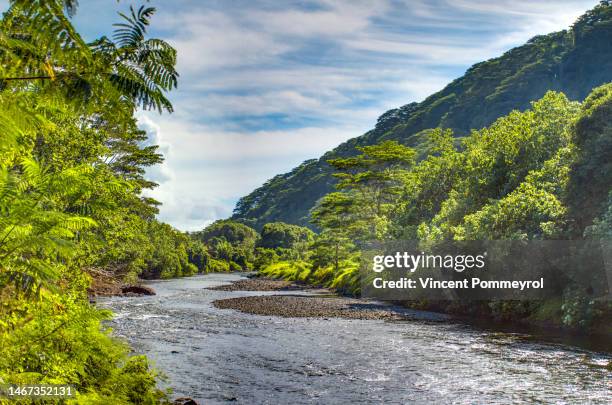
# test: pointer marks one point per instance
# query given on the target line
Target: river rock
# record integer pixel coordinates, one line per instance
(185, 401)
(137, 289)
(261, 284)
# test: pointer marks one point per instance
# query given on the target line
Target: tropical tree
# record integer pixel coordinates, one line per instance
(230, 241)
(335, 215)
(51, 53)
(372, 180)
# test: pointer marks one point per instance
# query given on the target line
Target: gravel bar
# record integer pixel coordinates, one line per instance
(291, 306)
(261, 284)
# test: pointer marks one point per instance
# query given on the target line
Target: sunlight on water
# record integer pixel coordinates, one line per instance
(218, 355)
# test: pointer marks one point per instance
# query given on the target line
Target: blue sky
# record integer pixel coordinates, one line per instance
(267, 84)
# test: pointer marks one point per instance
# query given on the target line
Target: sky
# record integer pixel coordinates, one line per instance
(265, 85)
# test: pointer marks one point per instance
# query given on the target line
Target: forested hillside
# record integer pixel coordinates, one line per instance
(540, 174)
(572, 61)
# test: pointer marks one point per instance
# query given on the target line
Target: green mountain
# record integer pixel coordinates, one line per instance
(573, 61)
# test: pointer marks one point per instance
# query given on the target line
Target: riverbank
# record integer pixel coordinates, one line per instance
(549, 315)
(105, 284)
(261, 284)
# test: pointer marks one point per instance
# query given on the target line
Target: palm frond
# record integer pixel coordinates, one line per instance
(144, 68)
(132, 82)
(132, 32)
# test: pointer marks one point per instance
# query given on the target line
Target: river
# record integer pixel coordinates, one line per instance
(218, 355)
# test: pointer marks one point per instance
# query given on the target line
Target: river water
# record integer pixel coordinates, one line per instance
(218, 356)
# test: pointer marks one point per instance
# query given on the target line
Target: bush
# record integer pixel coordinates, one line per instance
(60, 340)
(347, 280)
(292, 271)
(281, 235)
(233, 266)
(264, 257)
(217, 266)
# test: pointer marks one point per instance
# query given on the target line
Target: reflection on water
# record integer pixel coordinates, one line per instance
(216, 356)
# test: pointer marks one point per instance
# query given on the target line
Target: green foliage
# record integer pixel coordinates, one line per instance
(233, 266)
(47, 49)
(427, 185)
(58, 339)
(281, 235)
(578, 310)
(288, 270)
(602, 226)
(32, 226)
(217, 266)
(280, 241)
(526, 212)
(197, 254)
(372, 181)
(231, 231)
(167, 256)
(335, 215)
(591, 176)
(542, 173)
(72, 164)
(231, 242)
(233, 246)
(371, 184)
(507, 181)
(345, 280)
(265, 257)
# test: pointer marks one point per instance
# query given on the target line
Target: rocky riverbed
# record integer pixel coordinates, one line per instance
(260, 284)
(289, 306)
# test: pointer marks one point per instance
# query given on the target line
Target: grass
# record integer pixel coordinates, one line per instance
(345, 280)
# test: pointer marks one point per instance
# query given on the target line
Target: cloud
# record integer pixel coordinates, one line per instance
(214, 40)
(184, 203)
(159, 173)
(333, 20)
(207, 145)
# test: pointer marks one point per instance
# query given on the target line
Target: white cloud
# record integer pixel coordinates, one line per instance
(184, 205)
(159, 173)
(213, 40)
(336, 19)
(209, 169)
(200, 143)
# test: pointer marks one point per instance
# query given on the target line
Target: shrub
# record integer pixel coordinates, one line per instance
(217, 266)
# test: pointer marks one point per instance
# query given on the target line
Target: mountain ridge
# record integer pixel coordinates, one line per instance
(486, 91)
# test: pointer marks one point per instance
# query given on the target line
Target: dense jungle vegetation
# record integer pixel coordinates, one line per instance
(543, 173)
(72, 165)
(572, 61)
